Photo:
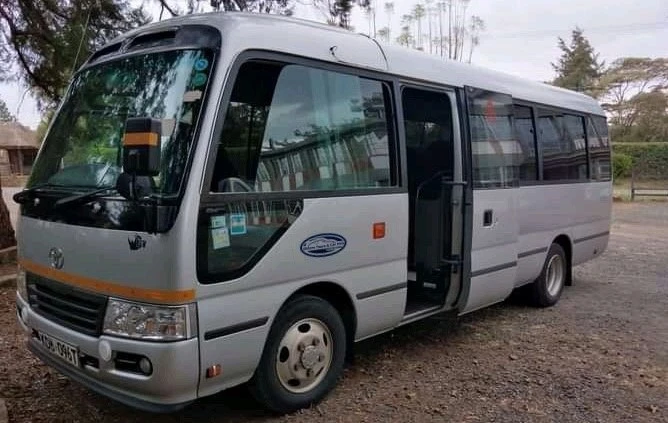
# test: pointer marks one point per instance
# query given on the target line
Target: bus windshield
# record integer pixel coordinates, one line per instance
(83, 148)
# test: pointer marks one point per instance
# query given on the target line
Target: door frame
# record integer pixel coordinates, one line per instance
(461, 212)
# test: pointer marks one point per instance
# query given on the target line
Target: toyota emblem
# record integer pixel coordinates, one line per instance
(56, 258)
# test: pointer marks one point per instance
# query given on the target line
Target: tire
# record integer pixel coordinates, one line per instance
(303, 357)
(546, 290)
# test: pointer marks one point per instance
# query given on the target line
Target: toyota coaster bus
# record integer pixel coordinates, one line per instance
(227, 198)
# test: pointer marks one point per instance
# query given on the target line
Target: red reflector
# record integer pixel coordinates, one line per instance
(214, 371)
(379, 230)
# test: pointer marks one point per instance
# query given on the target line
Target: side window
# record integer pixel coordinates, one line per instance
(563, 147)
(575, 130)
(599, 148)
(497, 153)
(525, 134)
(291, 127)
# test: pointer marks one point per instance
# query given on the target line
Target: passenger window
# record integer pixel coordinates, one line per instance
(497, 154)
(599, 148)
(525, 133)
(563, 146)
(291, 127)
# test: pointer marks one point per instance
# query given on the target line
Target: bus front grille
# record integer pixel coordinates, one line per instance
(65, 305)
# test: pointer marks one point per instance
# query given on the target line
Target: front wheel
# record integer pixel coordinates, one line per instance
(303, 357)
(546, 290)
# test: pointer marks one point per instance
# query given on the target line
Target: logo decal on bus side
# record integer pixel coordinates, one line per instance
(323, 245)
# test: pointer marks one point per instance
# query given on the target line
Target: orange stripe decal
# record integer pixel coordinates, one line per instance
(140, 138)
(95, 285)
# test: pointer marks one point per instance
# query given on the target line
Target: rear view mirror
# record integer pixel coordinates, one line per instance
(141, 146)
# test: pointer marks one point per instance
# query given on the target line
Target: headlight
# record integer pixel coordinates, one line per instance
(150, 322)
(21, 287)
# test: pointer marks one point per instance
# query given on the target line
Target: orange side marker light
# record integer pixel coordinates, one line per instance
(213, 371)
(379, 230)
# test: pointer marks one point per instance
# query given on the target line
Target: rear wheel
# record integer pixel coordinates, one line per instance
(303, 357)
(546, 290)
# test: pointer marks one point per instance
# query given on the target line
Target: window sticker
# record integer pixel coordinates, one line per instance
(238, 224)
(220, 237)
(218, 221)
(201, 64)
(199, 79)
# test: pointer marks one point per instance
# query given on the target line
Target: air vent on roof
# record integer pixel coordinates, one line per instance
(153, 39)
(105, 51)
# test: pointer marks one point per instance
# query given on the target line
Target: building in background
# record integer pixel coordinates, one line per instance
(18, 148)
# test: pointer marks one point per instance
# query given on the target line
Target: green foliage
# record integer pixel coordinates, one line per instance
(633, 91)
(648, 159)
(5, 114)
(578, 67)
(49, 39)
(622, 165)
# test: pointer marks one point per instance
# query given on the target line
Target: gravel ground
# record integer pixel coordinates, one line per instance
(600, 355)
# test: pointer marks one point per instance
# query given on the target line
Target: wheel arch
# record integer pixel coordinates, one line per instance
(564, 241)
(340, 299)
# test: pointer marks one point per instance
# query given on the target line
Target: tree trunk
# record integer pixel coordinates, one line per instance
(7, 238)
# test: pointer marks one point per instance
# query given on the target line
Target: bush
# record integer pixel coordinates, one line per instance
(621, 165)
(648, 159)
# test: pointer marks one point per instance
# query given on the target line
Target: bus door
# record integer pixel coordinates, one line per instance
(495, 155)
(433, 168)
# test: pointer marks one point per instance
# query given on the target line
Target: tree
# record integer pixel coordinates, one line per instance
(389, 10)
(633, 92)
(7, 238)
(476, 26)
(578, 67)
(384, 34)
(418, 15)
(283, 7)
(405, 38)
(49, 39)
(5, 114)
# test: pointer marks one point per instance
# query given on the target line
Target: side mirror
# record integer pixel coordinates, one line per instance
(141, 146)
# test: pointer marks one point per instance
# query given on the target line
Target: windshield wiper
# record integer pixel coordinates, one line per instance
(26, 195)
(85, 196)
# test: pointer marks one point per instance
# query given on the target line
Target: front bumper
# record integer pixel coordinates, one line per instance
(171, 386)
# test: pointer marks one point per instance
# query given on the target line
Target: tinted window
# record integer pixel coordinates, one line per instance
(563, 146)
(496, 151)
(599, 148)
(290, 127)
(524, 132)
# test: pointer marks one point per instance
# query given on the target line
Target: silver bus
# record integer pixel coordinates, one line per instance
(226, 199)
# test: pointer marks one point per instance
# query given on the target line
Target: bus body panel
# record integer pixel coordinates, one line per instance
(364, 268)
(103, 261)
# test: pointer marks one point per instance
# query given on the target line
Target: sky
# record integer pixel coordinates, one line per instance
(520, 36)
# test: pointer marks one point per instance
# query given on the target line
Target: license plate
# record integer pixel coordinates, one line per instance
(57, 347)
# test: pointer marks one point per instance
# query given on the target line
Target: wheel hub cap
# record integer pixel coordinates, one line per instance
(310, 357)
(304, 355)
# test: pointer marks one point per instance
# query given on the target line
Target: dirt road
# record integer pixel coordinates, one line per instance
(600, 355)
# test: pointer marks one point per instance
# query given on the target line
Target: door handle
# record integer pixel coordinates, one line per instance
(488, 218)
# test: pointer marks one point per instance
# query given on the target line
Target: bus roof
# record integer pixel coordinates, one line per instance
(241, 31)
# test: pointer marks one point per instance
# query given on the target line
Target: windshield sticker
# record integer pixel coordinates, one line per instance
(191, 96)
(323, 245)
(220, 237)
(218, 221)
(238, 224)
(199, 79)
(201, 64)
